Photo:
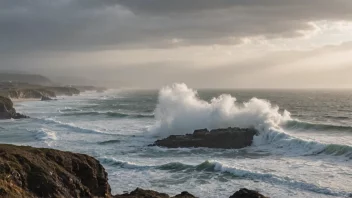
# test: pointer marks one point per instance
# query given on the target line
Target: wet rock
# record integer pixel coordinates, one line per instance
(184, 194)
(245, 193)
(230, 138)
(140, 193)
(45, 98)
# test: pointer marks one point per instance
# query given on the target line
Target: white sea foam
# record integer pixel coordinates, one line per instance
(72, 126)
(46, 134)
(180, 111)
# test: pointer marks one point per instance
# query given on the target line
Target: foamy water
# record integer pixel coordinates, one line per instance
(304, 148)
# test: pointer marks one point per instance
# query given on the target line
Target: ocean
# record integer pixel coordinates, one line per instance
(304, 148)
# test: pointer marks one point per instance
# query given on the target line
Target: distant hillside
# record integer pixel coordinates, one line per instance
(25, 78)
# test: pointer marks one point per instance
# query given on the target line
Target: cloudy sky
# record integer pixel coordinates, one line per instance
(204, 43)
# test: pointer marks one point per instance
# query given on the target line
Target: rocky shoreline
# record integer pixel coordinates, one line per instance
(230, 138)
(40, 172)
(7, 111)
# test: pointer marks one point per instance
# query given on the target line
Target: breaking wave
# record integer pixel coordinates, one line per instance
(181, 111)
(72, 126)
(218, 167)
(281, 142)
(46, 134)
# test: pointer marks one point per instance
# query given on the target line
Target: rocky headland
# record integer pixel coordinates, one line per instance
(7, 111)
(40, 172)
(230, 138)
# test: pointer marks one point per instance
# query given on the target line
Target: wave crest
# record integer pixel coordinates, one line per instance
(180, 111)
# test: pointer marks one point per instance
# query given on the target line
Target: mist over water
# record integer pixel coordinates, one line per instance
(303, 148)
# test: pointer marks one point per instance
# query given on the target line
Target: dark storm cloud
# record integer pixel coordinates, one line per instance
(100, 24)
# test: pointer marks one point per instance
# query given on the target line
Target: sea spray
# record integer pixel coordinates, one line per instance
(180, 111)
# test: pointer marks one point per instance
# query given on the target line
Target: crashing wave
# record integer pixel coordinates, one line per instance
(46, 134)
(180, 111)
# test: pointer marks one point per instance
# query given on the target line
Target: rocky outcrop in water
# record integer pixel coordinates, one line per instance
(140, 193)
(245, 193)
(230, 138)
(45, 98)
(7, 111)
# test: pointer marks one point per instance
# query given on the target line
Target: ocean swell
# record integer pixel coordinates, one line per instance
(297, 124)
(109, 114)
(218, 167)
(71, 126)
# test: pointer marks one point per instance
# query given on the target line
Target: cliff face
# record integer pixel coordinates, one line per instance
(31, 172)
(30, 93)
(7, 111)
(40, 92)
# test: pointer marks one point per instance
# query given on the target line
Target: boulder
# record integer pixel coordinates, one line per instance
(45, 98)
(230, 138)
(245, 193)
(32, 172)
(140, 193)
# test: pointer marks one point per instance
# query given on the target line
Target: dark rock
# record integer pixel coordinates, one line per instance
(19, 116)
(32, 172)
(200, 132)
(45, 98)
(140, 193)
(185, 194)
(245, 193)
(230, 138)
(7, 111)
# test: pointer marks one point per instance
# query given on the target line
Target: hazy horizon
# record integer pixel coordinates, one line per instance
(146, 44)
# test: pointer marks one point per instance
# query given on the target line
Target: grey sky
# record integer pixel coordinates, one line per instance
(163, 36)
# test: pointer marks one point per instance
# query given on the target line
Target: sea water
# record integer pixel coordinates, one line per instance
(304, 148)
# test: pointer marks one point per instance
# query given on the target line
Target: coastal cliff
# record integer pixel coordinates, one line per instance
(31, 172)
(39, 92)
(40, 172)
(7, 111)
